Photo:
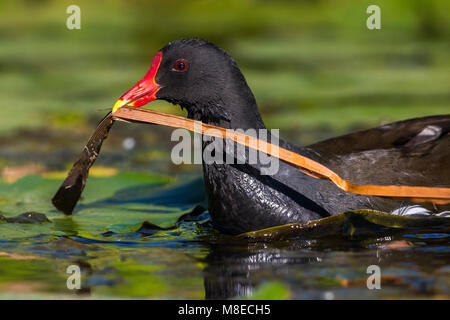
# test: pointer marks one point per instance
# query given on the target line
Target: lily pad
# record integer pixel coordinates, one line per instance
(117, 203)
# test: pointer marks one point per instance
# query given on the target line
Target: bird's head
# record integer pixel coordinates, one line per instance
(198, 76)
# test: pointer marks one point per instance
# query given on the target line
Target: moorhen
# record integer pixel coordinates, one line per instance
(206, 81)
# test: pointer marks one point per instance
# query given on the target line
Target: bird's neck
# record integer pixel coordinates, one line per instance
(233, 107)
(240, 113)
(242, 108)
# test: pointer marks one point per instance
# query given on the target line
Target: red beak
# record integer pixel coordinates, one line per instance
(145, 90)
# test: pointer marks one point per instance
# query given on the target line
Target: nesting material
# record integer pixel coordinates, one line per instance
(70, 190)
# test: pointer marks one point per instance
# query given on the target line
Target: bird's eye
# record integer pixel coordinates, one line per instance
(180, 65)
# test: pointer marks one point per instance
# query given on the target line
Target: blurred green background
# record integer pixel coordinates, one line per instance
(316, 70)
(314, 67)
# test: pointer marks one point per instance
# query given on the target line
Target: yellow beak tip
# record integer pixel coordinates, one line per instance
(118, 105)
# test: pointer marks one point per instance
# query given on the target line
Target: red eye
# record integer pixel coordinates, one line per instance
(180, 65)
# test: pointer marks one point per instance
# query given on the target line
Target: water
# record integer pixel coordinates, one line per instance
(316, 72)
(148, 236)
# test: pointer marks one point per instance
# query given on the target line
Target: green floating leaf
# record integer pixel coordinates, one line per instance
(118, 203)
(350, 224)
(271, 291)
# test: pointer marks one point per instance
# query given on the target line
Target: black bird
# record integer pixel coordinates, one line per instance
(207, 82)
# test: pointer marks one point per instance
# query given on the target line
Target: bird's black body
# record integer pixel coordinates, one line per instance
(240, 199)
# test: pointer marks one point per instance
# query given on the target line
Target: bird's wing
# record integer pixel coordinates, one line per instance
(413, 152)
